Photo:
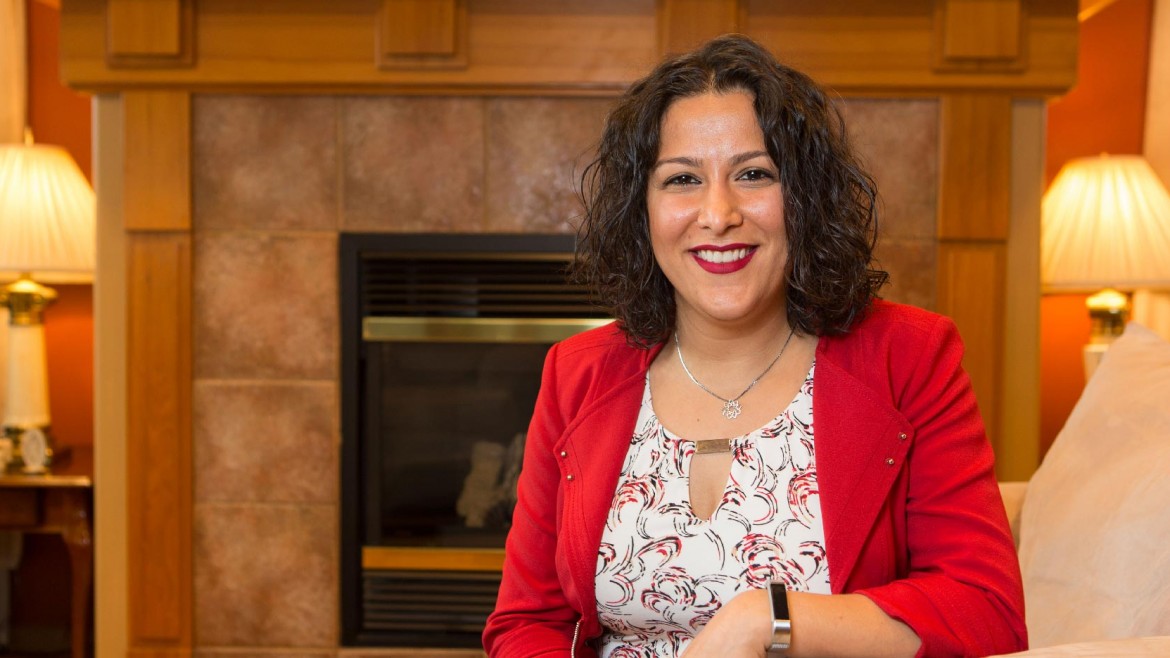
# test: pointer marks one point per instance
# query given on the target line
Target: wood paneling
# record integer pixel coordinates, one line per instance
(159, 461)
(160, 653)
(111, 513)
(156, 214)
(684, 24)
(973, 225)
(418, 27)
(422, 34)
(866, 47)
(158, 160)
(975, 167)
(980, 34)
(148, 33)
(1016, 453)
(970, 291)
(536, 47)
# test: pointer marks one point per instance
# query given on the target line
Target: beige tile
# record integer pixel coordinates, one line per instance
(266, 575)
(259, 442)
(267, 162)
(413, 164)
(911, 264)
(898, 142)
(265, 305)
(537, 149)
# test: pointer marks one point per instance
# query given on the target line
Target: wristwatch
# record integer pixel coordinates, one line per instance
(781, 624)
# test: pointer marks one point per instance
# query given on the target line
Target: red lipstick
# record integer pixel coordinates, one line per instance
(723, 259)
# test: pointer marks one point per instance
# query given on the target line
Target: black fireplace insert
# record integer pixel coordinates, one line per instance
(443, 339)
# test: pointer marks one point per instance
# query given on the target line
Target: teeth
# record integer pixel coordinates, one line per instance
(722, 256)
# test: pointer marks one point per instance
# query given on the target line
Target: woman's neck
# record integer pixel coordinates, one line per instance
(741, 344)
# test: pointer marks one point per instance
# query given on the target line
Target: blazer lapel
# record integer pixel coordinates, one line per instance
(599, 438)
(861, 446)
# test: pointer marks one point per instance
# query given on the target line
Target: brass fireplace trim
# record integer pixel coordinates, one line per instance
(433, 559)
(476, 330)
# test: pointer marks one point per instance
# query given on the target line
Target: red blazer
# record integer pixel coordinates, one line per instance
(911, 511)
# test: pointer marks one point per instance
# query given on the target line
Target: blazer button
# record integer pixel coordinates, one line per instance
(569, 477)
(889, 461)
(902, 436)
(564, 454)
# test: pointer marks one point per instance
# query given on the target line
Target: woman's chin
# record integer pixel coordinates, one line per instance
(733, 314)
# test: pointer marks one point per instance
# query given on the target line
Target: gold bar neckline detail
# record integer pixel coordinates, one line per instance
(712, 446)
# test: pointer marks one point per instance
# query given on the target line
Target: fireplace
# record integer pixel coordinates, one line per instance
(443, 339)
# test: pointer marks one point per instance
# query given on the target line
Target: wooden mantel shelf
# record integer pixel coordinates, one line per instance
(558, 47)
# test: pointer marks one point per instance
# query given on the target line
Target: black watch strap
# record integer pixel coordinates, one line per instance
(781, 622)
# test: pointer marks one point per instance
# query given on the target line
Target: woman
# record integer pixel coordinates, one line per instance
(731, 231)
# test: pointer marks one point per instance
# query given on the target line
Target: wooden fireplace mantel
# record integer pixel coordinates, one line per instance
(977, 58)
(558, 46)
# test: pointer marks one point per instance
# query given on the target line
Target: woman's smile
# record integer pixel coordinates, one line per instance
(723, 260)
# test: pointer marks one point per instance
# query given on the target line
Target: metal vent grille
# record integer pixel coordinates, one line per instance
(403, 603)
(494, 285)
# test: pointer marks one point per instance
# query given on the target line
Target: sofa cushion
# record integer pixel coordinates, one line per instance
(1141, 647)
(1096, 520)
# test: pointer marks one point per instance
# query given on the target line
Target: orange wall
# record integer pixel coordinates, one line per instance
(69, 343)
(1105, 112)
(60, 116)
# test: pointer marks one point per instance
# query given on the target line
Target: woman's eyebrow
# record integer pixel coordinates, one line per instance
(736, 160)
(682, 160)
(750, 155)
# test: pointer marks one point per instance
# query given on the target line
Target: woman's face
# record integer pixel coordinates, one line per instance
(717, 211)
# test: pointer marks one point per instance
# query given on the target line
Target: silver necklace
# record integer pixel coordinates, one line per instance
(731, 407)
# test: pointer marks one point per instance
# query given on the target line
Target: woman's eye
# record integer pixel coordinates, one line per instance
(681, 180)
(757, 175)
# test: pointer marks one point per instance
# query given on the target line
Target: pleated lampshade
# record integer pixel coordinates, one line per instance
(47, 215)
(1106, 224)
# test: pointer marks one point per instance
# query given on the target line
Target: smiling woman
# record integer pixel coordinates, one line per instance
(799, 134)
(715, 208)
(684, 500)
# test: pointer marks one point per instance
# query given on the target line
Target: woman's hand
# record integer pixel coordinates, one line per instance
(741, 629)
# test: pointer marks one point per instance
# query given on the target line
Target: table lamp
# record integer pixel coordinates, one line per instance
(1105, 226)
(47, 234)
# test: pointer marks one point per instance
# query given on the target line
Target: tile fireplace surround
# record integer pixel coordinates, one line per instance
(275, 180)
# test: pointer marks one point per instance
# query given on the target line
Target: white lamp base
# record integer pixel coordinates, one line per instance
(1093, 353)
(28, 377)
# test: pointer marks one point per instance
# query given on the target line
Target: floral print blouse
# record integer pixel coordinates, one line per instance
(663, 572)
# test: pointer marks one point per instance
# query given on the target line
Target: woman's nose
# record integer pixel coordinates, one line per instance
(719, 210)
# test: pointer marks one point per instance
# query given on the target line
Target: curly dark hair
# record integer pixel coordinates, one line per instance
(829, 201)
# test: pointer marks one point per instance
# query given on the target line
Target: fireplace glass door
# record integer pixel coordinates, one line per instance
(439, 383)
(455, 416)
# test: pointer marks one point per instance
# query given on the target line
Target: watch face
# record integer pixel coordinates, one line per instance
(34, 450)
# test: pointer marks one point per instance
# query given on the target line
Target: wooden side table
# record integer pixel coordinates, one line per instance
(58, 503)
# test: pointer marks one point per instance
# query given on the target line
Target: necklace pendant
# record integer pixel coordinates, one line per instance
(731, 410)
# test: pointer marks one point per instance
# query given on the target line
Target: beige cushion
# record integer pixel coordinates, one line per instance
(1013, 494)
(1095, 525)
(1142, 647)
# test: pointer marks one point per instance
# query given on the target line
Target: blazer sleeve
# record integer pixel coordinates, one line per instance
(963, 594)
(532, 615)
